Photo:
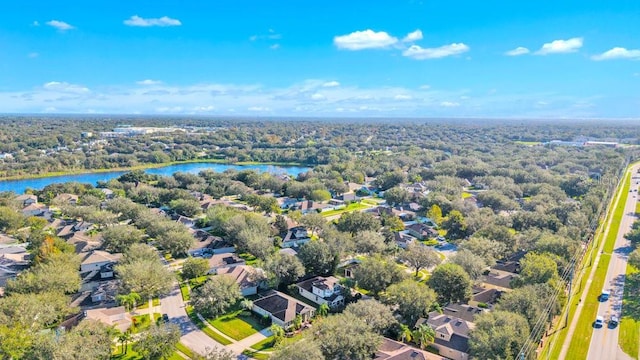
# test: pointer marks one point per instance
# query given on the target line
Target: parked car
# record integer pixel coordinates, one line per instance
(599, 322)
(613, 321)
(165, 318)
(604, 296)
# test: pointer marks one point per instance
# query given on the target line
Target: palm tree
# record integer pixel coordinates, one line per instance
(124, 339)
(323, 310)
(405, 334)
(247, 304)
(129, 301)
(278, 333)
(424, 335)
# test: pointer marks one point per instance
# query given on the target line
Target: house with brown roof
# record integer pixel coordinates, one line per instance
(296, 237)
(96, 259)
(282, 309)
(463, 311)
(219, 261)
(36, 209)
(499, 279)
(65, 199)
(26, 199)
(245, 276)
(84, 243)
(117, 317)
(395, 350)
(322, 290)
(421, 231)
(452, 334)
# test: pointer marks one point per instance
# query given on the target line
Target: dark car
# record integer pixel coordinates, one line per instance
(165, 318)
(613, 321)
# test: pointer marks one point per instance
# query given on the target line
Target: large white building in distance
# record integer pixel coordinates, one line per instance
(127, 131)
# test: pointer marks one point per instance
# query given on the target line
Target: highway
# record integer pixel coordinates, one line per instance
(604, 340)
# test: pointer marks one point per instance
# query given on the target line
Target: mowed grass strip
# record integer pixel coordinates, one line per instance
(557, 340)
(581, 340)
(237, 326)
(629, 338)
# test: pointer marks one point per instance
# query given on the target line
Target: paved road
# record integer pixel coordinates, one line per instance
(192, 337)
(604, 340)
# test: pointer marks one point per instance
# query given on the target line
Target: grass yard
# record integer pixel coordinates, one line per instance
(629, 338)
(205, 329)
(352, 207)
(637, 208)
(198, 281)
(582, 335)
(132, 355)
(185, 350)
(372, 201)
(237, 325)
(145, 305)
(184, 290)
(248, 258)
(255, 355)
(140, 323)
(466, 195)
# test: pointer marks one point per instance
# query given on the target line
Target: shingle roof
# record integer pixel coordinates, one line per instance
(282, 306)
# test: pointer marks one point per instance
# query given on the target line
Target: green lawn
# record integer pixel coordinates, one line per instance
(629, 338)
(637, 208)
(352, 207)
(266, 344)
(198, 281)
(184, 290)
(372, 201)
(466, 195)
(582, 335)
(142, 322)
(145, 305)
(528, 143)
(255, 355)
(205, 329)
(248, 258)
(185, 350)
(236, 325)
(132, 355)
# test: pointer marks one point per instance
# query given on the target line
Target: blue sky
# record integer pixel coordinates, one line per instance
(508, 59)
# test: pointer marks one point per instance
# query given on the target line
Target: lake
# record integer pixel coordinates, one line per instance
(19, 186)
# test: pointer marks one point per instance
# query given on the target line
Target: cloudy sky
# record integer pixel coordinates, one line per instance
(416, 58)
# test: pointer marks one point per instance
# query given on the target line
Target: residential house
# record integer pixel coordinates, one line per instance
(282, 309)
(288, 251)
(348, 197)
(66, 232)
(484, 295)
(246, 277)
(82, 226)
(463, 311)
(117, 317)
(106, 292)
(395, 350)
(187, 221)
(403, 239)
(296, 237)
(96, 259)
(499, 279)
(13, 260)
(286, 202)
(218, 261)
(452, 334)
(26, 199)
(349, 269)
(322, 290)
(65, 199)
(421, 231)
(108, 193)
(35, 209)
(84, 243)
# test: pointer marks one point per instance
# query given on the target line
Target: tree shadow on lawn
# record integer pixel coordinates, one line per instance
(631, 302)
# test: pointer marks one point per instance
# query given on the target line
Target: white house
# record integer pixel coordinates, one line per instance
(322, 290)
(295, 237)
(96, 259)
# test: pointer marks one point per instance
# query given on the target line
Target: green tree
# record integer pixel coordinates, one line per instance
(532, 302)
(345, 336)
(57, 273)
(634, 258)
(435, 213)
(451, 283)
(320, 195)
(498, 335)
(278, 334)
(369, 242)
(129, 301)
(405, 334)
(487, 249)
(118, 238)
(473, 264)
(159, 342)
(216, 296)
(305, 349)
(318, 258)
(396, 195)
(323, 310)
(284, 269)
(424, 335)
(411, 299)
(356, 221)
(177, 242)
(374, 313)
(145, 276)
(194, 267)
(10, 219)
(419, 257)
(314, 221)
(377, 273)
(537, 269)
(455, 225)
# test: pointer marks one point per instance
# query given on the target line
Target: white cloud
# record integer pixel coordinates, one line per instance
(331, 84)
(259, 108)
(318, 96)
(449, 104)
(169, 109)
(164, 21)
(517, 51)
(617, 53)
(35, 23)
(367, 39)
(274, 47)
(420, 53)
(33, 55)
(425, 87)
(149, 82)
(60, 25)
(413, 36)
(207, 108)
(561, 46)
(402, 97)
(65, 87)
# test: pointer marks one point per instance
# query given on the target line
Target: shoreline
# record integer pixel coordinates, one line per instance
(146, 166)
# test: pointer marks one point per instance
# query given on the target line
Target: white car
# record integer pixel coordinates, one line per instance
(599, 321)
